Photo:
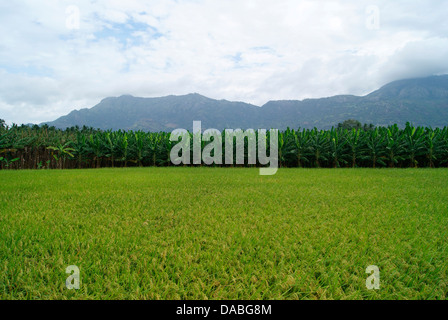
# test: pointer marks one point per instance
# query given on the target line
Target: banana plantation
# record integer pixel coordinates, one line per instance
(43, 147)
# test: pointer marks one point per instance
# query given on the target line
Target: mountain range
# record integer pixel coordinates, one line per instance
(421, 101)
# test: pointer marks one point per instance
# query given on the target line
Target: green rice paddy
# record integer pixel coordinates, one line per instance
(209, 233)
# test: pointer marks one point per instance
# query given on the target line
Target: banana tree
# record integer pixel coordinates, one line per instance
(80, 148)
(394, 144)
(123, 147)
(62, 152)
(355, 146)
(163, 150)
(444, 146)
(153, 143)
(110, 146)
(338, 148)
(414, 144)
(95, 146)
(375, 151)
(5, 162)
(298, 148)
(139, 146)
(434, 146)
(319, 146)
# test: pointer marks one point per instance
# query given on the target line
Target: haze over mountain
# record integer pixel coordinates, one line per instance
(422, 101)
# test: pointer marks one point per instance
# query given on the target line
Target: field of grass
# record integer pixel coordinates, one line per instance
(205, 233)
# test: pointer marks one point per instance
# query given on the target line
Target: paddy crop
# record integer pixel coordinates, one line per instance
(220, 233)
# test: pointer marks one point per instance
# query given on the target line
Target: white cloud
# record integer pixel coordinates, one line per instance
(249, 50)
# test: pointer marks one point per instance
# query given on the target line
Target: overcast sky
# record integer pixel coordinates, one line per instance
(57, 56)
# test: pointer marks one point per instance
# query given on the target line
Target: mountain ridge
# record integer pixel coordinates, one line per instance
(421, 101)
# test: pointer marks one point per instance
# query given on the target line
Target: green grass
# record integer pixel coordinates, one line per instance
(204, 233)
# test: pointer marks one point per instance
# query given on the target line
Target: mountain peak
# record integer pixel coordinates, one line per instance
(433, 87)
(122, 97)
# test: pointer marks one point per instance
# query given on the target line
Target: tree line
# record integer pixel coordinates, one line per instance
(44, 147)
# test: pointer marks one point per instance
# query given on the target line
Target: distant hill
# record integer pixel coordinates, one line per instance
(422, 101)
(160, 114)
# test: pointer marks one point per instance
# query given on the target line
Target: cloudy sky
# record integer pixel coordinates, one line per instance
(57, 56)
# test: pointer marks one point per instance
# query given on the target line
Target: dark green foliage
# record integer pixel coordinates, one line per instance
(350, 124)
(36, 147)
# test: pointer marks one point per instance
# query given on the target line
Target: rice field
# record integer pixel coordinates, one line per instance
(220, 233)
